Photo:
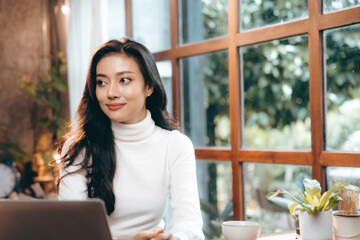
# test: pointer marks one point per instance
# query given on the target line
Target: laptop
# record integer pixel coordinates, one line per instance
(53, 220)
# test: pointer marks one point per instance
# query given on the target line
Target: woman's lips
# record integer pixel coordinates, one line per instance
(115, 106)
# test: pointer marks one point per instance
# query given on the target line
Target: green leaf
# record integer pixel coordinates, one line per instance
(63, 69)
(9, 151)
(216, 228)
(312, 187)
(208, 208)
(274, 194)
(43, 81)
(314, 200)
(54, 102)
(40, 98)
(333, 202)
(324, 201)
(3, 127)
(44, 123)
(61, 126)
(59, 84)
(303, 197)
(293, 209)
(28, 87)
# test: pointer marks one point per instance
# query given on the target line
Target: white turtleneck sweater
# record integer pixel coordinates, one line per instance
(152, 164)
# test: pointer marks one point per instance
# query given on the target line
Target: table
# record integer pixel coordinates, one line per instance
(278, 236)
(290, 235)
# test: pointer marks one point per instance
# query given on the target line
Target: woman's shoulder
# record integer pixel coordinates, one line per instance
(180, 141)
(66, 145)
(175, 135)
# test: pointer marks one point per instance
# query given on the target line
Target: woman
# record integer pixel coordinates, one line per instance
(125, 149)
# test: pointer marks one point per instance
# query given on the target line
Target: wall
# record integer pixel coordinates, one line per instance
(20, 53)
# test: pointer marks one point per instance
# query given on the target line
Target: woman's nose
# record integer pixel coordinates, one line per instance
(114, 90)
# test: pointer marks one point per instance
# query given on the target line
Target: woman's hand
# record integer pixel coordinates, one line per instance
(157, 234)
(163, 236)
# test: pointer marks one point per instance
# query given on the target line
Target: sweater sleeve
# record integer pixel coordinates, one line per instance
(72, 186)
(186, 220)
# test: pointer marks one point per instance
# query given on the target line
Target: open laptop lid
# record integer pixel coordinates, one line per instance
(53, 220)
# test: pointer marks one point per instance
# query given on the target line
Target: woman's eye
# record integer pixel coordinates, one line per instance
(100, 83)
(125, 80)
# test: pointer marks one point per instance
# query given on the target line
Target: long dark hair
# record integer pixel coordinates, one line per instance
(92, 132)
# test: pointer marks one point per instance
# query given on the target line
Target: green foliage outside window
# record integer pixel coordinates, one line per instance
(261, 13)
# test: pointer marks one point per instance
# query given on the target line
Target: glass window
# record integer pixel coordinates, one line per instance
(165, 71)
(151, 23)
(259, 180)
(276, 94)
(116, 19)
(261, 13)
(342, 72)
(334, 5)
(200, 20)
(338, 175)
(205, 108)
(215, 192)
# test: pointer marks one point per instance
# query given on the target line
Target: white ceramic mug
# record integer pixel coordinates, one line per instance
(241, 230)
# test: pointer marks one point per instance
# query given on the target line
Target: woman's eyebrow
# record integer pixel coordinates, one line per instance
(118, 73)
(125, 72)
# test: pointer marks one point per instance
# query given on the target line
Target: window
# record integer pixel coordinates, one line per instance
(342, 74)
(276, 94)
(268, 91)
(200, 20)
(260, 179)
(151, 25)
(205, 103)
(165, 71)
(334, 5)
(261, 13)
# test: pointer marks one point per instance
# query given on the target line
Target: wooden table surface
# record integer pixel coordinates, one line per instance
(278, 236)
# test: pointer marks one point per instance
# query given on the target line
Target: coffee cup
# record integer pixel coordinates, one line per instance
(241, 230)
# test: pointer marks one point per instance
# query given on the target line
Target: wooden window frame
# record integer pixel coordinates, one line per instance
(313, 26)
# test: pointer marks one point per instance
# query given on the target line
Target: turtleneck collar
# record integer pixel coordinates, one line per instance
(133, 132)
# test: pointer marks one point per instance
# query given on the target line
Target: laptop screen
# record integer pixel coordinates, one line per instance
(53, 220)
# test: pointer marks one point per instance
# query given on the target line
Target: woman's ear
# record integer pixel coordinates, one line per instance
(149, 90)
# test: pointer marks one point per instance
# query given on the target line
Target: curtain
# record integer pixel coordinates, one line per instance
(87, 31)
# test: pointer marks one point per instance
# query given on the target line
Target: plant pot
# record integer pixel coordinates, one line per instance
(316, 227)
(346, 226)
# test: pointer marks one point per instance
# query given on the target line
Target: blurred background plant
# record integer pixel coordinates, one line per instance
(11, 152)
(214, 229)
(48, 122)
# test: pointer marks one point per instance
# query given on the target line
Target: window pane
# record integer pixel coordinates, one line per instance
(116, 19)
(205, 108)
(338, 175)
(200, 20)
(334, 5)
(276, 94)
(259, 180)
(342, 73)
(215, 192)
(151, 25)
(165, 72)
(261, 13)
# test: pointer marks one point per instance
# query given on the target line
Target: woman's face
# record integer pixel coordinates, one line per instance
(120, 88)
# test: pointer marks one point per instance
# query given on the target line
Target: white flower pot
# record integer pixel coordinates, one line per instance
(346, 227)
(316, 227)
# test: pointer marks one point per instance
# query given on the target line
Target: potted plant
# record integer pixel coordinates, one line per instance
(347, 219)
(315, 215)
